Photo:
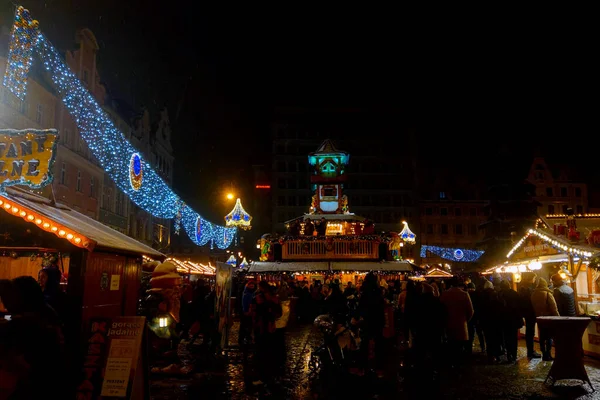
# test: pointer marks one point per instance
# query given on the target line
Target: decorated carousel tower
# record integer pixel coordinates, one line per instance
(329, 239)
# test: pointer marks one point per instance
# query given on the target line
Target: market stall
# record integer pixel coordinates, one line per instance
(566, 245)
(103, 266)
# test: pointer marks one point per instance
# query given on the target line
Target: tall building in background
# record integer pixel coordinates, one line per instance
(381, 181)
(557, 189)
(79, 181)
(452, 208)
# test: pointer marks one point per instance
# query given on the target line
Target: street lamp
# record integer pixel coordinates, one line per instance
(230, 196)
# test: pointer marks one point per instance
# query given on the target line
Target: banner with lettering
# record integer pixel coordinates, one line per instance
(534, 247)
(112, 357)
(27, 157)
(223, 283)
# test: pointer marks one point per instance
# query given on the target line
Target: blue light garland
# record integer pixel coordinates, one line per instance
(452, 254)
(130, 172)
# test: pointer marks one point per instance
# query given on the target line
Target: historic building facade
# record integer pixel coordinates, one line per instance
(79, 181)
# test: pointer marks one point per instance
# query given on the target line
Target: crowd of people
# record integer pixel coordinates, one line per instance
(35, 361)
(442, 322)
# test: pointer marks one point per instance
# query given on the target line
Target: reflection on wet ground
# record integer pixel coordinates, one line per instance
(523, 380)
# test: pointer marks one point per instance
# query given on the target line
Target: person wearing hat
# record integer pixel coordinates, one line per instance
(564, 296)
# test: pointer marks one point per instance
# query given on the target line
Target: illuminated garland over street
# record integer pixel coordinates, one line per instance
(131, 173)
(449, 253)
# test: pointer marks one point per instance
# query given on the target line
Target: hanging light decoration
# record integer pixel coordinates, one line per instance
(231, 260)
(535, 266)
(406, 234)
(238, 217)
(134, 176)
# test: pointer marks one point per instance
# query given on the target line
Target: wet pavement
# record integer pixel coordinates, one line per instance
(477, 380)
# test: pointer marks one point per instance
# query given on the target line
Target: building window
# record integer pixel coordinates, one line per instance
(473, 212)
(429, 211)
(66, 137)
(442, 195)
(458, 229)
(443, 211)
(430, 229)
(565, 208)
(291, 201)
(444, 229)
(63, 174)
(457, 212)
(78, 181)
(92, 187)
(549, 192)
(120, 204)
(473, 230)
(292, 184)
(580, 209)
(281, 183)
(563, 192)
(80, 146)
(86, 77)
(23, 107)
(577, 192)
(39, 114)
(550, 209)
(281, 200)
(280, 166)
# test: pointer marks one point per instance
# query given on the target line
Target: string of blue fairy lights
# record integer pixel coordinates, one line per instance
(121, 161)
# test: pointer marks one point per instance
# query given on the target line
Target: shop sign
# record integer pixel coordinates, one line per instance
(112, 360)
(535, 247)
(27, 157)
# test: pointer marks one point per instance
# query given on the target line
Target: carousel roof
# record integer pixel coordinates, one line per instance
(35, 208)
(363, 266)
(330, 217)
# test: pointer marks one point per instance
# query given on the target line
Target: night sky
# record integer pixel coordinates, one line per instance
(466, 87)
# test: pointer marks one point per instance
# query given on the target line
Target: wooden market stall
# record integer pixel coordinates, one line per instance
(103, 266)
(565, 245)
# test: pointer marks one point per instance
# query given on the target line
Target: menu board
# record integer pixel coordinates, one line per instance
(112, 359)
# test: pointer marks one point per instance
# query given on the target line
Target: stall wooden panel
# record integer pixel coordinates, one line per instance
(11, 268)
(103, 279)
(131, 286)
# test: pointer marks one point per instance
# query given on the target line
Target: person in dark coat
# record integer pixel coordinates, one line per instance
(564, 296)
(512, 319)
(528, 283)
(371, 310)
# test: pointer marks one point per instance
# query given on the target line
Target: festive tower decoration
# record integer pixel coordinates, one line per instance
(238, 217)
(329, 173)
(406, 234)
(231, 260)
(244, 263)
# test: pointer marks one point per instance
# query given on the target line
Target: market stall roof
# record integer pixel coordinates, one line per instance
(273, 266)
(438, 273)
(334, 217)
(40, 211)
(392, 266)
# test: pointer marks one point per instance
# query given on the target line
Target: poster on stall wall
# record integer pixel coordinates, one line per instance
(113, 363)
(222, 294)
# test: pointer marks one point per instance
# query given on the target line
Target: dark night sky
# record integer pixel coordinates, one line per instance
(467, 87)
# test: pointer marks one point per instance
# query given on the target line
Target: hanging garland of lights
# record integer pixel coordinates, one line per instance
(453, 254)
(127, 168)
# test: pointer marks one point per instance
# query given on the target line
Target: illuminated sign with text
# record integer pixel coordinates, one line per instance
(26, 157)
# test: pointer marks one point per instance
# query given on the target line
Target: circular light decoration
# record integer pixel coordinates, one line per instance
(135, 171)
(458, 254)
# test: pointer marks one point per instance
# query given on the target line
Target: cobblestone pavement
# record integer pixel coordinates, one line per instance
(478, 380)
